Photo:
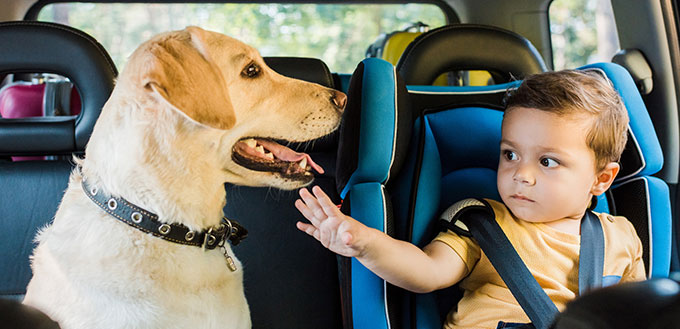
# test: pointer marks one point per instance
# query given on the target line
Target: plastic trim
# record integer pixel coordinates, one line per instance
(465, 90)
(368, 290)
(642, 157)
(394, 132)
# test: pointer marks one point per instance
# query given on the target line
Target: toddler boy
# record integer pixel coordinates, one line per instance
(562, 135)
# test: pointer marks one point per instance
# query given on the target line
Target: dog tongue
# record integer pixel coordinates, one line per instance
(283, 153)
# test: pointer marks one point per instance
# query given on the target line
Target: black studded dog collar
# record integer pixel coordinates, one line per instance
(148, 222)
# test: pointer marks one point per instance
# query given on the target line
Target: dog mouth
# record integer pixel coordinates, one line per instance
(266, 155)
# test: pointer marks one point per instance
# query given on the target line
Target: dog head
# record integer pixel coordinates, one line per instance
(230, 107)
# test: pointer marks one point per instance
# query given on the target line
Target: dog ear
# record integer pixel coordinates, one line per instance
(182, 74)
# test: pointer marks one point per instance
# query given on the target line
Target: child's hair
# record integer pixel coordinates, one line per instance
(572, 92)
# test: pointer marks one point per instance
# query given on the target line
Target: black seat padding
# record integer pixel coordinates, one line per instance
(303, 68)
(14, 315)
(30, 191)
(652, 304)
(291, 281)
(40, 47)
(29, 197)
(505, 54)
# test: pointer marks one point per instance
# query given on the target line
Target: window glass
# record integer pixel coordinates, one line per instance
(336, 33)
(582, 32)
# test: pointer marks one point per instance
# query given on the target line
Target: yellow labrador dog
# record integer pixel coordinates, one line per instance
(139, 239)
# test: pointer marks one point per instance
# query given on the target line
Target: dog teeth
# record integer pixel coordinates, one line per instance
(269, 155)
(250, 142)
(303, 163)
(260, 149)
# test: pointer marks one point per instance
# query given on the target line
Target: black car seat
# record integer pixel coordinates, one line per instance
(462, 47)
(14, 315)
(651, 304)
(30, 191)
(291, 281)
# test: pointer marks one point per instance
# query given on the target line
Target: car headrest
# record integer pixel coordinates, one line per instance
(463, 47)
(39, 47)
(642, 155)
(303, 68)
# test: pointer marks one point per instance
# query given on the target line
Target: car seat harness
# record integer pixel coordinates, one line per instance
(475, 218)
(148, 222)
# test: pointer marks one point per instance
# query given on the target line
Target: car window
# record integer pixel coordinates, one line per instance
(582, 32)
(339, 34)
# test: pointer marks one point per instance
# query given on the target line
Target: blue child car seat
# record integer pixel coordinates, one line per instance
(453, 154)
(377, 130)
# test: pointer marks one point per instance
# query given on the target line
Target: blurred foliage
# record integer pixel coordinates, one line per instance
(338, 34)
(582, 32)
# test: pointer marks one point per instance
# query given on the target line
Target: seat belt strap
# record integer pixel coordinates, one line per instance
(504, 258)
(482, 225)
(591, 254)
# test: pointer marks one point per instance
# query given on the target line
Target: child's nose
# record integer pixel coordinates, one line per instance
(524, 175)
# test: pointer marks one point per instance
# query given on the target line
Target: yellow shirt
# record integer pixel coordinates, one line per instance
(552, 258)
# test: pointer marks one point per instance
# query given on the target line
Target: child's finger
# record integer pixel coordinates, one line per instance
(312, 204)
(305, 211)
(325, 202)
(308, 228)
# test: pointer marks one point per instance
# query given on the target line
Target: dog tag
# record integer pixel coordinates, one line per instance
(230, 264)
(230, 261)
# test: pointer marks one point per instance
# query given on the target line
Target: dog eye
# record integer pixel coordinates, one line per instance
(251, 71)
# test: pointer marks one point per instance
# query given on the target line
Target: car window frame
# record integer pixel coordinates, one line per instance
(449, 14)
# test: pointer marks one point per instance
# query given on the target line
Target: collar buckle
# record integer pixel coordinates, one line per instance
(236, 232)
(215, 236)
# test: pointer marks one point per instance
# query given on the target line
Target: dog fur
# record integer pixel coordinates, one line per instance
(164, 141)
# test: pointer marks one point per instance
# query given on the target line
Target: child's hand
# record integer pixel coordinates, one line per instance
(398, 262)
(335, 230)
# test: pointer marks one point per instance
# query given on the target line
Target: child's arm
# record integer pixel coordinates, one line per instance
(401, 263)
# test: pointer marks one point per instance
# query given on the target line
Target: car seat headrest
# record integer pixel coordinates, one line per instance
(642, 155)
(469, 47)
(303, 68)
(39, 47)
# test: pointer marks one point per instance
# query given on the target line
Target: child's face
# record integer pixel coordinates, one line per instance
(546, 170)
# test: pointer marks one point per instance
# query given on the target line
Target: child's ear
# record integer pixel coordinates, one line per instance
(605, 178)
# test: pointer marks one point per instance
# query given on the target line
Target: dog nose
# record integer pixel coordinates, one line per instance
(339, 99)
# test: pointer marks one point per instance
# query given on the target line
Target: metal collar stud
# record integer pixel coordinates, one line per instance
(148, 222)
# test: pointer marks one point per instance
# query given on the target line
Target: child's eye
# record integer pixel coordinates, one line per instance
(549, 163)
(510, 155)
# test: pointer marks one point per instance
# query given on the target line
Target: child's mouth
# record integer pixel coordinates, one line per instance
(521, 198)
